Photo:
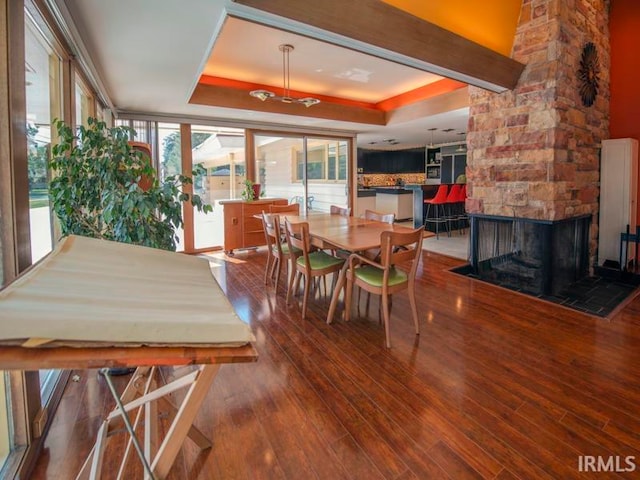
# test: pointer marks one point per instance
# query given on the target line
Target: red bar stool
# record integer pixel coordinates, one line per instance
(453, 206)
(462, 216)
(439, 214)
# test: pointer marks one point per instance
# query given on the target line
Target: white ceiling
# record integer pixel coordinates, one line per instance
(149, 54)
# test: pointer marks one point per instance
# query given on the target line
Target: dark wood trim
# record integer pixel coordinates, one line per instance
(235, 98)
(18, 134)
(7, 240)
(382, 25)
(187, 167)
(250, 154)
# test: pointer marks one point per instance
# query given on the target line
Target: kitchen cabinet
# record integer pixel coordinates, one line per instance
(445, 165)
(391, 161)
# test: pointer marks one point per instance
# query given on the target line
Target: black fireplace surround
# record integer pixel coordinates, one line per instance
(539, 257)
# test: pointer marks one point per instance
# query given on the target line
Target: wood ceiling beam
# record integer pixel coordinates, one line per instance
(228, 97)
(379, 24)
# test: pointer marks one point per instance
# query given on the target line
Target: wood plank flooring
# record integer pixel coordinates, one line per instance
(498, 385)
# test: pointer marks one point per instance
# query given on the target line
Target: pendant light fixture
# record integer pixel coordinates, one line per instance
(462, 147)
(286, 97)
(431, 145)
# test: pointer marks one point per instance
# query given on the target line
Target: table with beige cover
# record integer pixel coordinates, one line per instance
(94, 303)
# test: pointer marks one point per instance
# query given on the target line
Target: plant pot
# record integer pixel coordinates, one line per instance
(256, 191)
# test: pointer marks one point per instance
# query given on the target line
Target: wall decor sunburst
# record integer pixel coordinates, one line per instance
(589, 74)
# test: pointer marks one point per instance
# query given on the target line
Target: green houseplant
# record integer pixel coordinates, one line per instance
(251, 191)
(95, 191)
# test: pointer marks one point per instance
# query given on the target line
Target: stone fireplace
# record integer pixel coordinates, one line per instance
(533, 152)
(539, 257)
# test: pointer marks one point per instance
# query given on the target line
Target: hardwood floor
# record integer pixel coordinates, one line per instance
(498, 385)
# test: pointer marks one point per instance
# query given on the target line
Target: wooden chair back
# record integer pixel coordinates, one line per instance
(298, 236)
(380, 217)
(336, 210)
(271, 225)
(293, 208)
(400, 247)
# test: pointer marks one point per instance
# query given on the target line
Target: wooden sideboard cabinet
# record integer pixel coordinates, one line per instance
(241, 228)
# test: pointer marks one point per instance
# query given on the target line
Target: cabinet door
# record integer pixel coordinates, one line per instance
(446, 171)
(232, 226)
(459, 165)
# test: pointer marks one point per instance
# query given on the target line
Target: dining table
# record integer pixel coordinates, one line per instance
(351, 234)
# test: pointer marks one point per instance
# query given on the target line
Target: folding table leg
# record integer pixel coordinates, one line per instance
(156, 460)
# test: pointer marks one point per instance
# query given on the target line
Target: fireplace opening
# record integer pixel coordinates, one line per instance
(539, 257)
(546, 259)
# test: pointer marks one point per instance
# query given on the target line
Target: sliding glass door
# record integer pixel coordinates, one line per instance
(221, 152)
(278, 169)
(308, 170)
(327, 165)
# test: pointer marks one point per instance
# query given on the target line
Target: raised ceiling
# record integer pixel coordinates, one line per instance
(150, 56)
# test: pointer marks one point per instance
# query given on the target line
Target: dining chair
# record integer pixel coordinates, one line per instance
(385, 278)
(309, 264)
(336, 210)
(277, 251)
(379, 217)
(293, 208)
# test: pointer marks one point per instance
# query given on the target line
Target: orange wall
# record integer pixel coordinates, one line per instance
(624, 28)
(491, 23)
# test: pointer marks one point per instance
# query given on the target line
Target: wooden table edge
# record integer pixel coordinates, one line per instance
(19, 358)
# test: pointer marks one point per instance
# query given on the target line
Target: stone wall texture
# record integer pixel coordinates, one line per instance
(533, 152)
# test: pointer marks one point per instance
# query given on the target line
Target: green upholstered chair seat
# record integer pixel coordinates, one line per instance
(373, 276)
(320, 260)
(285, 249)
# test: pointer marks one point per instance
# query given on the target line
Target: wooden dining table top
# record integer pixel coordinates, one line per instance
(347, 233)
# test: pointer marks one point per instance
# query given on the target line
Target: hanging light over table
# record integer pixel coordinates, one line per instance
(286, 97)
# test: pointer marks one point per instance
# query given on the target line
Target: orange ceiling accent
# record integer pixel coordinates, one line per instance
(445, 85)
(490, 23)
(422, 93)
(248, 86)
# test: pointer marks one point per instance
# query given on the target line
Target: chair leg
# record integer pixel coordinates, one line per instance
(366, 310)
(305, 299)
(296, 288)
(275, 263)
(414, 308)
(278, 270)
(292, 279)
(267, 269)
(347, 299)
(385, 314)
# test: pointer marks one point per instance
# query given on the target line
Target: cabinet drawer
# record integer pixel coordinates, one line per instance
(253, 239)
(250, 209)
(252, 224)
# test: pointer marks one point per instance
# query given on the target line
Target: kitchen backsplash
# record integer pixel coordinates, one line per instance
(383, 179)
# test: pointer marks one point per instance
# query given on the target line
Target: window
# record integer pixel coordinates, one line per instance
(84, 102)
(326, 161)
(44, 103)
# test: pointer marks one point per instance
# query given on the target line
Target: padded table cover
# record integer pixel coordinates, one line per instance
(90, 291)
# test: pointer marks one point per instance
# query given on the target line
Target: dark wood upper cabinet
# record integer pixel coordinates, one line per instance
(392, 161)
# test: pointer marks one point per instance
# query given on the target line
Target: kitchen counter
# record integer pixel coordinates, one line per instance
(393, 190)
(366, 192)
(395, 200)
